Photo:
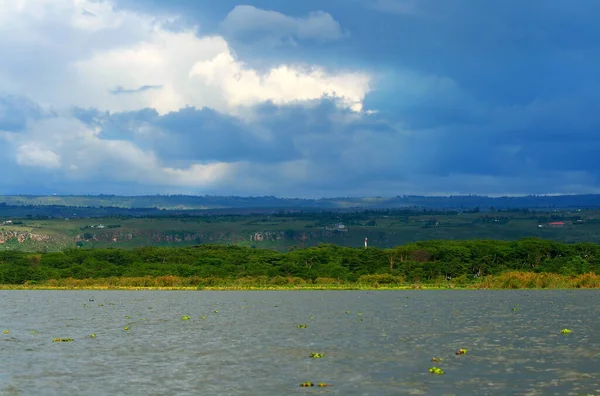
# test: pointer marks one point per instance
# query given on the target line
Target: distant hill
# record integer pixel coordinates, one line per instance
(189, 202)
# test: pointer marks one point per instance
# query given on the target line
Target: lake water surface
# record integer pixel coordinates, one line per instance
(375, 343)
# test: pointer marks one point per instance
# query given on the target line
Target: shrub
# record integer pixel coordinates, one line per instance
(380, 279)
(327, 281)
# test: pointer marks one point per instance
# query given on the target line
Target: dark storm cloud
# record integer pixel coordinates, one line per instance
(469, 96)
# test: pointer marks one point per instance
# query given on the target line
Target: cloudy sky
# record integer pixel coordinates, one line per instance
(299, 98)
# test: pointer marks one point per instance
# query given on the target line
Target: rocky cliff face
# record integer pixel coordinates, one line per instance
(204, 237)
(154, 236)
(106, 236)
(21, 237)
(261, 236)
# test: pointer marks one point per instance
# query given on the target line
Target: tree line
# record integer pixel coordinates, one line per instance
(424, 261)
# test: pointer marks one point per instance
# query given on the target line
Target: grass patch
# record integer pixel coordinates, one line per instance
(509, 280)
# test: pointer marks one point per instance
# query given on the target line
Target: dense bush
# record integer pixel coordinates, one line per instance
(427, 261)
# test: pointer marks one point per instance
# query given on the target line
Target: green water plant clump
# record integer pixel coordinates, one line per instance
(461, 351)
(566, 331)
(126, 328)
(62, 340)
(6, 332)
(436, 370)
(436, 359)
(216, 311)
(317, 355)
(307, 384)
(203, 317)
(93, 335)
(323, 384)
(302, 326)
(185, 317)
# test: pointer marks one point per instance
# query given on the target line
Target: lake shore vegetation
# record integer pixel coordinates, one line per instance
(527, 263)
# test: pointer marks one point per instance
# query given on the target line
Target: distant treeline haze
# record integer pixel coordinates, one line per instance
(418, 262)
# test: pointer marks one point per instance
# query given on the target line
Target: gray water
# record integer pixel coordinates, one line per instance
(253, 346)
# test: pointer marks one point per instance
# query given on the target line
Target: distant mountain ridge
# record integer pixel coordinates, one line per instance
(193, 202)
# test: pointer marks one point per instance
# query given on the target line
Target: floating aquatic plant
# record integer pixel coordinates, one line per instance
(93, 335)
(203, 317)
(34, 332)
(216, 311)
(126, 328)
(185, 317)
(566, 331)
(347, 312)
(307, 384)
(317, 355)
(437, 359)
(6, 331)
(127, 317)
(323, 384)
(62, 340)
(302, 326)
(436, 370)
(461, 351)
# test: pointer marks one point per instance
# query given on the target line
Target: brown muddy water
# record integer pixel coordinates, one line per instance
(249, 343)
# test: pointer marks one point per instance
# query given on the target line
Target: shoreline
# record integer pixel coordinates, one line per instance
(275, 288)
(232, 287)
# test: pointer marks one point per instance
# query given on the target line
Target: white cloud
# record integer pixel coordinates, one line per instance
(86, 53)
(283, 84)
(246, 20)
(77, 152)
(62, 53)
(32, 155)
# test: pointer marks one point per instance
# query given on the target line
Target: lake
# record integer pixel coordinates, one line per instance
(249, 343)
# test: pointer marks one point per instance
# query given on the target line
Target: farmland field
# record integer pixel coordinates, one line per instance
(287, 230)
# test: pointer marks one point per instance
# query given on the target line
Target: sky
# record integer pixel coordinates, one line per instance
(323, 98)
